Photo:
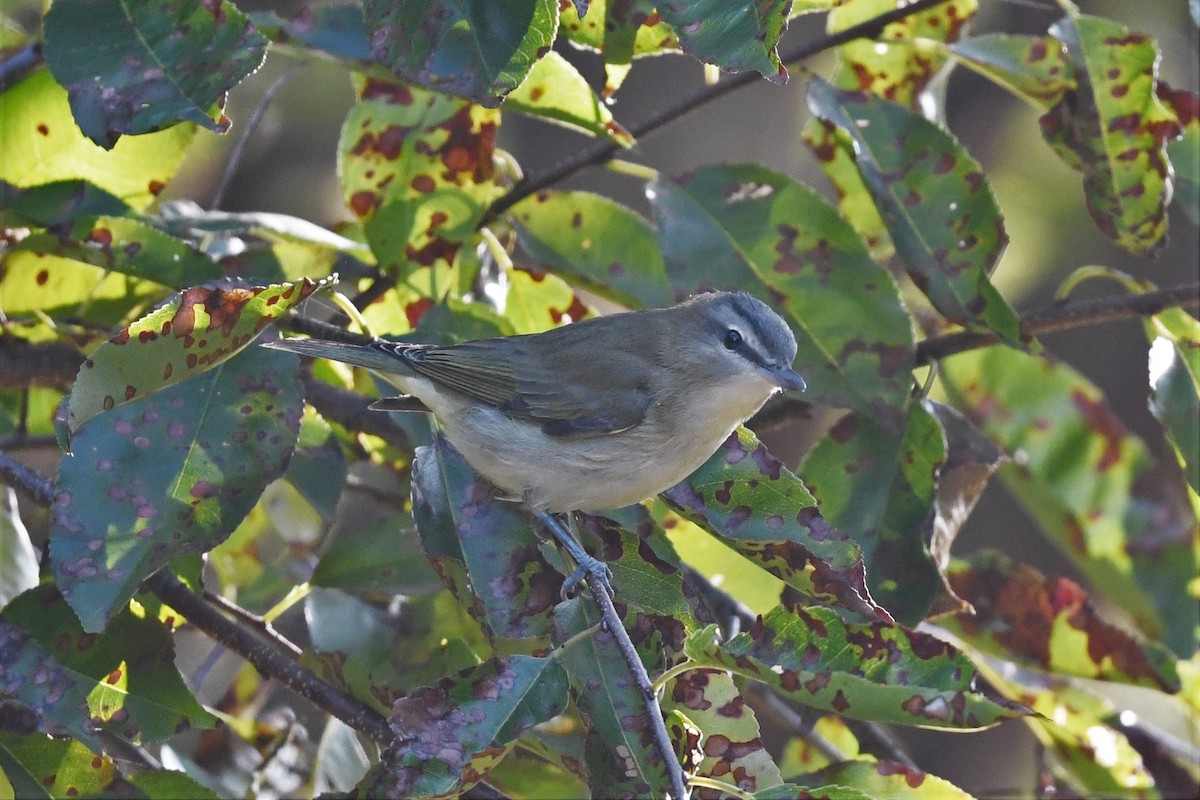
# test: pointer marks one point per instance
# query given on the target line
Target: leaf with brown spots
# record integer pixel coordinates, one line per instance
(938, 206)
(1088, 483)
(198, 329)
(480, 51)
(450, 734)
(870, 671)
(160, 63)
(747, 498)
(620, 30)
(1051, 624)
(484, 550)
(1035, 68)
(834, 151)
(416, 168)
(1184, 152)
(39, 766)
(886, 779)
(593, 240)
(735, 35)
(731, 746)
(122, 683)
(901, 61)
(169, 473)
(555, 91)
(42, 144)
(537, 302)
(879, 488)
(1113, 128)
(744, 227)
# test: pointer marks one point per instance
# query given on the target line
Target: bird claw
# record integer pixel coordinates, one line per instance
(593, 567)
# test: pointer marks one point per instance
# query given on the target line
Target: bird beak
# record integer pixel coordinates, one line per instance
(788, 378)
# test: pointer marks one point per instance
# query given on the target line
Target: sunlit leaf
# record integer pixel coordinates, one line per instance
(538, 301)
(1034, 68)
(555, 91)
(621, 32)
(41, 767)
(888, 779)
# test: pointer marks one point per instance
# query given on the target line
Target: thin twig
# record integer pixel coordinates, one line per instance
(264, 628)
(600, 150)
(14, 68)
(239, 147)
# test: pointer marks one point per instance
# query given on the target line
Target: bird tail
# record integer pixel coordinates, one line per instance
(357, 354)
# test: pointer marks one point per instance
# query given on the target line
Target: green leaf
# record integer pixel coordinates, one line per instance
(879, 488)
(736, 35)
(1184, 151)
(1175, 385)
(41, 144)
(756, 506)
(745, 227)
(383, 557)
(169, 473)
(477, 50)
(731, 747)
(41, 767)
(871, 671)
(56, 203)
(621, 30)
(888, 779)
(1114, 129)
(416, 168)
(122, 683)
(66, 289)
(801, 755)
(935, 201)
(450, 734)
(19, 567)
(1076, 475)
(484, 549)
(834, 151)
(902, 60)
(338, 31)
(537, 302)
(197, 330)
(604, 245)
(1034, 68)
(161, 63)
(555, 91)
(1050, 624)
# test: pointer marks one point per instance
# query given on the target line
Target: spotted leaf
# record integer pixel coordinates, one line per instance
(450, 734)
(600, 243)
(760, 509)
(195, 331)
(887, 779)
(416, 169)
(730, 747)
(1076, 475)
(834, 151)
(1051, 624)
(555, 91)
(871, 671)
(1114, 129)
(42, 144)
(1035, 68)
(39, 766)
(537, 301)
(621, 31)
(901, 61)
(879, 488)
(161, 63)
(747, 228)
(122, 683)
(170, 473)
(1184, 151)
(735, 35)
(485, 550)
(480, 51)
(935, 201)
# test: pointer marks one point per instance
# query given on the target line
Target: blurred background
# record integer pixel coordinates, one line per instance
(289, 167)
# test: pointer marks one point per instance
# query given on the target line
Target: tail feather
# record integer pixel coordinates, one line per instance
(356, 354)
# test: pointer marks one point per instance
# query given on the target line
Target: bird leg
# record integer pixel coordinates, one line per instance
(586, 564)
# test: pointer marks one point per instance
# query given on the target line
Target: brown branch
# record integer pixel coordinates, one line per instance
(265, 657)
(600, 151)
(52, 364)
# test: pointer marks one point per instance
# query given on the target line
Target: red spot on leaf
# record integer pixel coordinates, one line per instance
(43, 129)
(42, 276)
(1102, 421)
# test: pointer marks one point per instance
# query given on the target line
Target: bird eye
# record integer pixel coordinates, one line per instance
(732, 339)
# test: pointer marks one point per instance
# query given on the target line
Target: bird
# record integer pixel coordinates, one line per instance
(597, 414)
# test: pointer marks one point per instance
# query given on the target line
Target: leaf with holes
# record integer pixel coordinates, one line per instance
(416, 169)
(480, 51)
(42, 144)
(1051, 624)
(1114, 129)
(743, 495)
(735, 35)
(484, 549)
(1034, 68)
(169, 473)
(161, 63)
(879, 488)
(449, 735)
(555, 91)
(122, 683)
(871, 671)
(747, 228)
(600, 243)
(937, 205)
(197, 330)
(1076, 478)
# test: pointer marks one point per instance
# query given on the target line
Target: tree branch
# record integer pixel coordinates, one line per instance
(599, 151)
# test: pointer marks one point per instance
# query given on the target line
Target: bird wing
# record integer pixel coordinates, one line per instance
(535, 378)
